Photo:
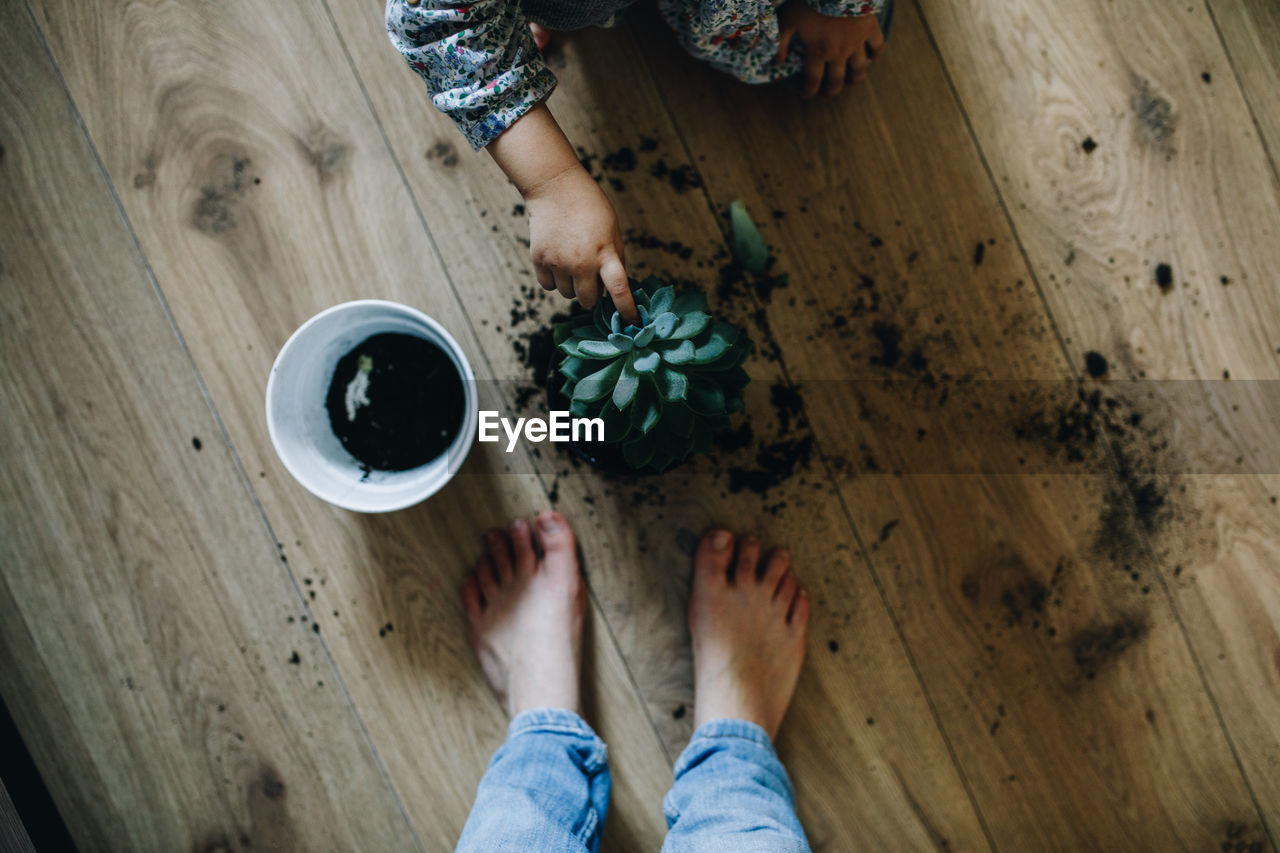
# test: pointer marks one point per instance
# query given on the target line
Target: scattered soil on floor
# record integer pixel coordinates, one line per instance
(1093, 648)
(1095, 364)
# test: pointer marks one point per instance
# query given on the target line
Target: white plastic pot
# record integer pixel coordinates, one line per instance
(299, 422)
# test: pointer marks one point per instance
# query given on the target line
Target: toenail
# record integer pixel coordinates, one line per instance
(720, 540)
(518, 525)
(548, 523)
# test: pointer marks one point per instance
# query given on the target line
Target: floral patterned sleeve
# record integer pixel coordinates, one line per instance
(846, 8)
(741, 37)
(478, 59)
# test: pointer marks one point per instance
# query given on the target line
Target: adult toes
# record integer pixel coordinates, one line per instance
(786, 593)
(748, 558)
(711, 560)
(798, 618)
(487, 579)
(472, 604)
(522, 545)
(556, 538)
(499, 550)
(775, 566)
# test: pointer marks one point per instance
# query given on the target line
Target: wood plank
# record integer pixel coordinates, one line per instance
(1178, 177)
(999, 558)
(143, 604)
(13, 835)
(262, 192)
(1250, 31)
(861, 741)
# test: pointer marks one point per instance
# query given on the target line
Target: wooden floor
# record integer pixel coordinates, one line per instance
(1047, 602)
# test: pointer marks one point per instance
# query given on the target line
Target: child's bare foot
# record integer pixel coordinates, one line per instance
(524, 615)
(748, 631)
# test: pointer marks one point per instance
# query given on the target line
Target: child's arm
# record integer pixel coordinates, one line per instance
(840, 38)
(484, 71)
(573, 233)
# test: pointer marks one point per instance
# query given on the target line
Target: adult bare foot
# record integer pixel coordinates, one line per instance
(524, 615)
(748, 631)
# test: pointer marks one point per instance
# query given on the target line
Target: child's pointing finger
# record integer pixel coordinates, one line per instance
(614, 277)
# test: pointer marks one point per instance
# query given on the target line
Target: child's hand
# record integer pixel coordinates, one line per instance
(573, 232)
(834, 48)
(576, 245)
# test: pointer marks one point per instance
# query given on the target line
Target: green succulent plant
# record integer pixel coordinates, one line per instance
(661, 388)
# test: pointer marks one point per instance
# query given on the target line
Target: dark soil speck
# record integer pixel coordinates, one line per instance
(1095, 363)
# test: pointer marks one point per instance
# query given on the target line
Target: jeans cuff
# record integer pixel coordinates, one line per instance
(556, 720)
(728, 728)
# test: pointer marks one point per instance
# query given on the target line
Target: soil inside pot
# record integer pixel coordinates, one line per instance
(395, 402)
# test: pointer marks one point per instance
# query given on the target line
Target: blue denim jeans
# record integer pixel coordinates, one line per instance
(547, 789)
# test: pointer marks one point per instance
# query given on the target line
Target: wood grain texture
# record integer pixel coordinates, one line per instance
(259, 205)
(1042, 621)
(1179, 177)
(911, 314)
(13, 835)
(144, 638)
(1250, 31)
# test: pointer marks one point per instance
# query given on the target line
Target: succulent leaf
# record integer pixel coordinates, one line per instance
(600, 349)
(646, 413)
(616, 422)
(645, 337)
(628, 384)
(721, 339)
(682, 353)
(664, 324)
(677, 419)
(749, 247)
(690, 325)
(572, 368)
(661, 300)
(598, 384)
(689, 300)
(623, 342)
(705, 397)
(672, 384)
(646, 362)
(615, 323)
(599, 322)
